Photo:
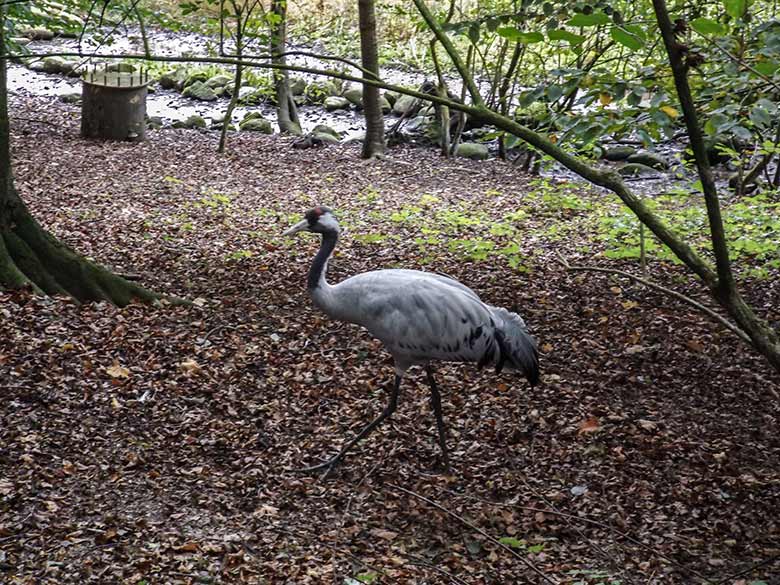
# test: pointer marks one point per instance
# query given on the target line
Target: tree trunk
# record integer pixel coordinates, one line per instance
(720, 281)
(286, 110)
(724, 287)
(374, 143)
(32, 258)
(228, 120)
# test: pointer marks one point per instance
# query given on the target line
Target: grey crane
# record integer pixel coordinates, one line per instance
(419, 317)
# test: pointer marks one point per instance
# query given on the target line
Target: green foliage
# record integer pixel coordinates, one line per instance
(752, 226)
(520, 544)
(366, 578)
(593, 577)
(215, 201)
(240, 255)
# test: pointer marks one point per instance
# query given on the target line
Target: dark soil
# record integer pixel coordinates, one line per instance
(159, 445)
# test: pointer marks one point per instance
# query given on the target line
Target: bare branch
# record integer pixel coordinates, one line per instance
(673, 293)
(492, 539)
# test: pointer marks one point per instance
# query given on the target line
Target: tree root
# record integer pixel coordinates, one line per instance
(30, 257)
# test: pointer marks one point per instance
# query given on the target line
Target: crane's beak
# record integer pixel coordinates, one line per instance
(298, 227)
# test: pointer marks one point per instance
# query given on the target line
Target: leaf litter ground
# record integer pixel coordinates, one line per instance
(159, 445)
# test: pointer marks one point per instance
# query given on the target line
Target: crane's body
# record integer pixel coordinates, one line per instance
(419, 317)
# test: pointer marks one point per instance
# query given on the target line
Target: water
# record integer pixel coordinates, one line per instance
(169, 105)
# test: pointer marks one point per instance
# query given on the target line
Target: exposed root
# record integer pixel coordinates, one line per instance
(30, 257)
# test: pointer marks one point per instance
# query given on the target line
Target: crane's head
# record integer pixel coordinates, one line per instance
(318, 219)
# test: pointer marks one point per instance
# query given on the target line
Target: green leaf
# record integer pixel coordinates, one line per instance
(513, 34)
(706, 27)
(584, 20)
(512, 542)
(767, 68)
(564, 35)
(474, 33)
(742, 133)
(760, 117)
(735, 8)
(511, 141)
(626, 38)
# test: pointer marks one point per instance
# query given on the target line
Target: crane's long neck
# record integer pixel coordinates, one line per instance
(319, 267)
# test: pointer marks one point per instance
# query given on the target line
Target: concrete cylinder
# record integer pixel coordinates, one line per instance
(113, 105)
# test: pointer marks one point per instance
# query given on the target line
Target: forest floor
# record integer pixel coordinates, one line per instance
(153, 445)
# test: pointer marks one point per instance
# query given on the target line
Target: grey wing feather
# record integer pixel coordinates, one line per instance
(421, 316)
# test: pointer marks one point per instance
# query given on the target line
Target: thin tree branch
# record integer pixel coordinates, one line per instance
(750, 569)
(675, 52)
(739, 61)
(552, 511)
(673, 293)
(445, 41)
(492, 539)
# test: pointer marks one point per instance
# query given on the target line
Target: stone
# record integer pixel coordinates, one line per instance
(404, 104)
(248, 94)
(650, 159)
(193, 121)
(172, 79)
(324, 129)
(252, 116)
(417, 124)
(199, 91)
(324, 137)
(355, 96)
(297, 86)
(334, 102)
(317, 91)
(245, 91)
(194, 78)
(472, 150)
(256, 125)
(636, 170)
(617, 153)
(384, 105)
(391, 96)
(71, 98)
(37, 65)
(37, 33)
(72, 69)
(121, 67)
(155, 122)
(218, 81)
(55, 65)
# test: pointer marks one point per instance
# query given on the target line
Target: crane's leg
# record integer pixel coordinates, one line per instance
(436, 403)
(330, 464)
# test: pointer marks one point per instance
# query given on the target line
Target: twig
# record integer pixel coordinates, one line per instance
(749, 569)
(212, 330)
(739, 61)
(552, 511)
(492, 539)
(679, 296)
(420, 563)
(36, 121)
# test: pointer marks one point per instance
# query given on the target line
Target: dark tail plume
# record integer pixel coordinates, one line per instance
(517, 349)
